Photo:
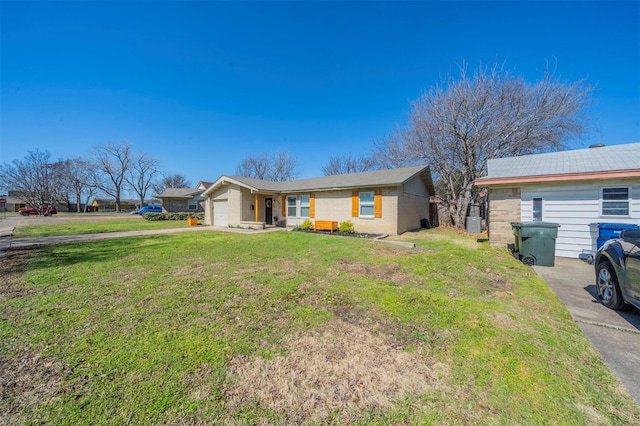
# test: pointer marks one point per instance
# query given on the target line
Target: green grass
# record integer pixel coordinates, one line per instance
(178, 328)
(135, 223)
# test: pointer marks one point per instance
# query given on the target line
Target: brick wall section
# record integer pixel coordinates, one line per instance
(504, 208)
(179, 206)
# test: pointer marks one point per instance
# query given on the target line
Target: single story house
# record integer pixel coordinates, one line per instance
(577, 189)
(109, 204)
(14, 203)
(184, 199)
(382, 201)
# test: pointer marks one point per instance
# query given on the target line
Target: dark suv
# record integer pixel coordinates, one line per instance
(617, 265)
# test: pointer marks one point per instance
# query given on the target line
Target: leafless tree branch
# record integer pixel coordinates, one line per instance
(458, 125)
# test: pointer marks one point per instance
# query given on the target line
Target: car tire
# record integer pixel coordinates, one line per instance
(608, 288)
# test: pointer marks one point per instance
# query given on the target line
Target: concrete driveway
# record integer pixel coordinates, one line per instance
(616, 335)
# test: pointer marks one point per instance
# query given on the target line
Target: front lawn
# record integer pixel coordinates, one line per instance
(89, 225)
(292, 328)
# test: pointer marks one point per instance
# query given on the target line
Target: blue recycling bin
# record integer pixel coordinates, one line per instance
(608, 231)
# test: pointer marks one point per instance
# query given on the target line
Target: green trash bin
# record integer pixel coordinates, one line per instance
(535, 242)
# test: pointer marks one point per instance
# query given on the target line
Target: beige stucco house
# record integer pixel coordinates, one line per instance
(383, 201)
(576, 189)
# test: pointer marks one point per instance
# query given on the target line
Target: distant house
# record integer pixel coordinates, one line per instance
(14, 202)
(577, 189)
(382, 201)
(184, 199)
(109, 204)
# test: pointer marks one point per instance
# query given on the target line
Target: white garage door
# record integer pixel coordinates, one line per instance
(220, 217)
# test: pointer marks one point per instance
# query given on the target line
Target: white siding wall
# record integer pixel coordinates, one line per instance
(577, 208)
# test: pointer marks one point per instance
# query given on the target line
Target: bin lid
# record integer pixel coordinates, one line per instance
(618, 226)
(535, 224)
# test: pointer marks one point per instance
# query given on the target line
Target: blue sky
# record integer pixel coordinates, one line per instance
(201, 85)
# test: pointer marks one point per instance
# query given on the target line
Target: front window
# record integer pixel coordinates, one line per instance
(537, 209)
(298, 205)
(366, 203)
(291, 205)
(193, 205)
(304, 206)
(615, 201)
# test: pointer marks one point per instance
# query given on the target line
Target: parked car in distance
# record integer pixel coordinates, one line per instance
(47, 211)
(150, 209)
(617, 267)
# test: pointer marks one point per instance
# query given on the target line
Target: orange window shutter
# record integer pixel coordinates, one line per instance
(312, 206)
(284, 206)
(354, 204)
(377, 203)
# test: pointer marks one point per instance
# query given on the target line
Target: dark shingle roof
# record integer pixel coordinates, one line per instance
(180, 193)
(391, 177)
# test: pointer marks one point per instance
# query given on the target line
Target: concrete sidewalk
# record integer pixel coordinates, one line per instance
(615, 335)
(7, 225)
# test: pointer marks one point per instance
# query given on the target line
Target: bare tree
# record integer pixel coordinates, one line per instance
(391, 152)
(283, 167)
(255, 167)
(33, 179)
(278, 167)
(113, 162)
(457, 126)
(76, 177)
(340, 165)
(170, 181)
(142, 174)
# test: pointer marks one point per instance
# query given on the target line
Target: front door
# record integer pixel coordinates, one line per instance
(268, 213)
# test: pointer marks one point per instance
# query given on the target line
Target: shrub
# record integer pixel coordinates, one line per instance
(153, 216)
(346, 227)
(307, 225)
(173, 216)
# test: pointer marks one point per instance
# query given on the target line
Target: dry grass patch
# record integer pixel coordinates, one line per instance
(12, 266)
(338, 368)
(27, 381)
(387, 272)
(448, 235)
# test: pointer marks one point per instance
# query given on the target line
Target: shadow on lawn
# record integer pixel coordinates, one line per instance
(79, 253)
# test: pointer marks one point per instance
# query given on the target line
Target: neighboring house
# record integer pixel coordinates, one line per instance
(577, 189)
(382, 201)
(14, 202)
(184, 199)
(109, 204)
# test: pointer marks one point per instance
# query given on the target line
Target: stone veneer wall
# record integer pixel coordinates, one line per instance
(504, 208)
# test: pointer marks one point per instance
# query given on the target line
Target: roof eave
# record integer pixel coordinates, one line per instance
(222, 180)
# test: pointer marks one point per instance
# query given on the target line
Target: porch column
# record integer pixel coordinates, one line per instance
(257, 208)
